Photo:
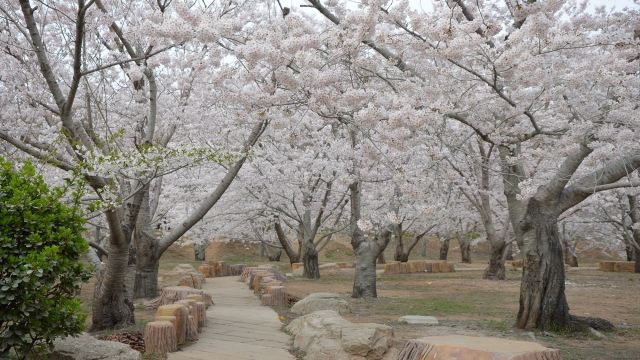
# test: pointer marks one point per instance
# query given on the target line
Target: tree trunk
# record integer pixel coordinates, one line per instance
(543, 304)
(381, 259)
(465, 251)
(495, 270)
(111, 306)
(570, 257)
(364, 282)
(508, 251)
(425, 245)
(310, 262)
(145, 243)
(200, 251)
(444, 248)
(276, 256)
(294, 256)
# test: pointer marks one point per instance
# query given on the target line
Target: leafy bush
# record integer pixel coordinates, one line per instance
(40, 246)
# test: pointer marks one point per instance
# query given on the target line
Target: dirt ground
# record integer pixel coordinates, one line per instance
(462, 301)
(467, 305)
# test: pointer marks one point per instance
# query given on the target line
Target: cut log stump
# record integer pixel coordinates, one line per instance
(160, 337)
(181, 315)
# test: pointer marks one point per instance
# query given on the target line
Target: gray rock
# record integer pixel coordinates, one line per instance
(321, 301)
(418, 320)
(325, 335)
(86, 347)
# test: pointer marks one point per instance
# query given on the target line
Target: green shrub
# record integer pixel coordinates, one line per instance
(40, 246)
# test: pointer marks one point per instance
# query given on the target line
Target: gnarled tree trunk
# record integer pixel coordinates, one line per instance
(543, 304)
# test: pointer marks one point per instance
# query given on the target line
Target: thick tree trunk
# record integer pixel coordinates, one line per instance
(364, 282)
(310, 262)
(381, 260)
(444, 248)
(495, 270)
(111, 305)
(543, 304)
(465, 251)
(145, 284)
(400, 256)
(199, 250)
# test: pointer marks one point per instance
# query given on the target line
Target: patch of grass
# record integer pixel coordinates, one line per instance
(421, 306)
(497, 325)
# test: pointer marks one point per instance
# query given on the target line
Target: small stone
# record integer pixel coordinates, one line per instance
(418, 320)
(597, 333)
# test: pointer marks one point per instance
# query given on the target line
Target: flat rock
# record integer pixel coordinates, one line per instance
(418, 320)
(86, 347)
(321, 301)
(473, 348)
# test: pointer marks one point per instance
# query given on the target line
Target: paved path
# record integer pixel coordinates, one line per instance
(238, 327)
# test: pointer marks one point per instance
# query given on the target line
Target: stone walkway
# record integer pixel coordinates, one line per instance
(238, 327)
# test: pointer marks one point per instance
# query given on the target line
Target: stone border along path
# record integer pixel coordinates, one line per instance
(238, 327)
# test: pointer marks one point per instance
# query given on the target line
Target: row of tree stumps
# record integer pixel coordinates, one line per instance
(267, 284)
(180, 316)
(220, 268)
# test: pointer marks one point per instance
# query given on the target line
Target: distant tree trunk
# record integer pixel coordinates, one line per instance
(425, 245)
(294, 256)
(381, 259)
(465, 249)
(444, 248)
(634, 214)
(508, 251)
(495, 270)
(200, 250)
(276, 256)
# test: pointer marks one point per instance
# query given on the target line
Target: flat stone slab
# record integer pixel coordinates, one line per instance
(418, 320)
(475, 348)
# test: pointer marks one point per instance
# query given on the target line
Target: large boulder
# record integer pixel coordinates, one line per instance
(325, 335)
(86, 347)
(321, 301)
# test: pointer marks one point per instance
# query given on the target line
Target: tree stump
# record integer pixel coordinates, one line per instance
(205, 270)
(160, 337)
(201, 309)
(278, 295)
(172, 319)
(267, 300)
(198, 297)
(192, 328)
(171, 294)
(181, 315)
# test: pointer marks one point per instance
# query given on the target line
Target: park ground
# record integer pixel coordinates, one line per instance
(463, 302)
